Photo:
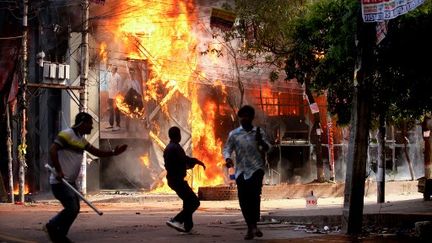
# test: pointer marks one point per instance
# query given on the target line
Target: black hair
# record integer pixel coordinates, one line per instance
(82, 117)
(174, 132)
(246, 110)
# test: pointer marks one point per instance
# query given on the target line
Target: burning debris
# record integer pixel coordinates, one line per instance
(158, 42)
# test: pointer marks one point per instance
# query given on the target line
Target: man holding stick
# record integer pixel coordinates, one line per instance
(66, 155)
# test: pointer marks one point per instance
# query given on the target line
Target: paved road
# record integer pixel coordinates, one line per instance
(145, 222)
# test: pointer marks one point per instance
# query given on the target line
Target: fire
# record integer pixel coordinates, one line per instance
(145, 160)
(162, 188)
(162, 32)
(205, 145)
(271, 102)
(127, 109)
(103, 53)
(26, 189)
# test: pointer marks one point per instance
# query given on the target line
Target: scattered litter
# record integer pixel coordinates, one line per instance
(270, 221)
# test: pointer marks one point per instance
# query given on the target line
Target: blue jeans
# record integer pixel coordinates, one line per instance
(71, 207)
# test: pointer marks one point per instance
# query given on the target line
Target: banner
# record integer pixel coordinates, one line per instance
(381, 31)
(380, 10)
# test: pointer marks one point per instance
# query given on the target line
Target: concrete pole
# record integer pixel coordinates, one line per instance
(22, 147)
(83, 96)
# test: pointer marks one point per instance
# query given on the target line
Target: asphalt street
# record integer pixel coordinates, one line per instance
(144, 221)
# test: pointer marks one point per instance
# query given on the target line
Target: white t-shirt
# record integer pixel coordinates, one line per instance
(114, 85)
(70, 154)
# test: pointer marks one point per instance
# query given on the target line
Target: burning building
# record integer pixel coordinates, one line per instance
(187, 77)
(174, 68)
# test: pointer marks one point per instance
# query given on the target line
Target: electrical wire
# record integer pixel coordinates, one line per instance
(11, 37)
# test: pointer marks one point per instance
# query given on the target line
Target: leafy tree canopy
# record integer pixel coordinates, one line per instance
(316, 41)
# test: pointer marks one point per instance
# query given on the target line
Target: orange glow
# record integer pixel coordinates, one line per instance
(271, 101)
(103, 52)
(126, 109)
(162, 33)
(162, 188)
(145, 160)
(205, 145)
(278, 103)
(26, 189)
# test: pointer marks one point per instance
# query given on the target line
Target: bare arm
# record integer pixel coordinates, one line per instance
(105, 153)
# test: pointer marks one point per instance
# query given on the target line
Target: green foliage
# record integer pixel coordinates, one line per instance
(324, 50)
(316, 41)
(404, 63)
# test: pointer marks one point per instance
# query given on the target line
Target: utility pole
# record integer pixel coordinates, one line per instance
(427, 157)
(381, 164)
(9, 151)
(83, 95)
(352, 217)
(22, 147)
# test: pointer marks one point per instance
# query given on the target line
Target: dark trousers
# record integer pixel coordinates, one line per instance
(190, 202)
(113, 111)
(249, 195)
(70, 201)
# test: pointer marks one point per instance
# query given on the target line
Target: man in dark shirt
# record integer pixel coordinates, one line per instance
(176, 164)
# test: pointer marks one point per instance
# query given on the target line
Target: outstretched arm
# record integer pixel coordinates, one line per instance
(199, 162)
(106, 153)
(191, 162)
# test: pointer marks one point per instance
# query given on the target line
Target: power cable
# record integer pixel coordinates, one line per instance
(11, 37)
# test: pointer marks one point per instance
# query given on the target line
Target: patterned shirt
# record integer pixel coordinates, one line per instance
(248, 157)
(70, 154)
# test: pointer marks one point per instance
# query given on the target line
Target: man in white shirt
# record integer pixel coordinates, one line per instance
(114, 88)
(66, 155)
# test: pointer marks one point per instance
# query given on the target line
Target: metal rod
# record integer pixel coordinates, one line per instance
(53, 86)
(75, 190)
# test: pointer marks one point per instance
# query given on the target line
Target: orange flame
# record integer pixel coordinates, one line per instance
(270, 101)
(162, 188)
(145, 160)
(26, 189)
(162, 33)
(127, 109)
(103, 53)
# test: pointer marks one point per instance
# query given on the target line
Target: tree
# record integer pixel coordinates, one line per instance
(266, 29)
(318, 44)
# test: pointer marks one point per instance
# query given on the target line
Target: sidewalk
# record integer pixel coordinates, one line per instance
(401, 210)
(397, 211)
(126, 212)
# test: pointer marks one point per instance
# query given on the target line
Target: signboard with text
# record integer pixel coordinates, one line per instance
(380, 10)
